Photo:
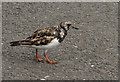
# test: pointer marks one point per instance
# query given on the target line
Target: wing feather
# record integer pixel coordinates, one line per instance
(42, 37)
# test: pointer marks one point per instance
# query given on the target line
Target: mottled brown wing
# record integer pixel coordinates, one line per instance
(42, 36)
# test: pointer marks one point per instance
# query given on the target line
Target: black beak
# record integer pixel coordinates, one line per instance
(75, 28)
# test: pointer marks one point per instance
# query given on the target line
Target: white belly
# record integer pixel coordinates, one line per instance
(52, 44)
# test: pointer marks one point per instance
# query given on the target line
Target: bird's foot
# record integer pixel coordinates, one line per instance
(39, 60)
(51, 62)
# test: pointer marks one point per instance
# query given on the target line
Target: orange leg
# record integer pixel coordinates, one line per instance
(37, 57)
(52, 62)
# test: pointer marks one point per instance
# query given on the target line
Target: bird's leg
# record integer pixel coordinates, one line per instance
(52, 62)
(37, 57)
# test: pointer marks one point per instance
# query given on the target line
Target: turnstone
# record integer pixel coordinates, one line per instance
(46, 38)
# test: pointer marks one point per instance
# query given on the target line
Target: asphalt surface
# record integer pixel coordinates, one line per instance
(89, 53)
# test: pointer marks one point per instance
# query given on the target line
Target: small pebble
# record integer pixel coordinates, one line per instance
(75, 46)
(92, 65)
(9, 67)
(76, 58)
(42, 79)
(107, 50)
(45, 17)
(46, 76)
(58, 8)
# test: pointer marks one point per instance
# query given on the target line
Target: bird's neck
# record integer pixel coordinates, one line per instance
(62, 32)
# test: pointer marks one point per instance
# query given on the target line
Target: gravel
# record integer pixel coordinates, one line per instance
(89, 53)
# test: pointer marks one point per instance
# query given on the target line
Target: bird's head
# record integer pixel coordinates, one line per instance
(66, 25)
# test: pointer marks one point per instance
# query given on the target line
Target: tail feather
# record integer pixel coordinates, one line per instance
(20, 42)
(15, 43)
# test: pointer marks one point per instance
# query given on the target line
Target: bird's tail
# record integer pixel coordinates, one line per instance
(20, 42)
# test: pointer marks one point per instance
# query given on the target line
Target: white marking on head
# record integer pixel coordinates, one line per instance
(66, 24)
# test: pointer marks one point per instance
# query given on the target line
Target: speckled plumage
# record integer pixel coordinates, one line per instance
(45, 35)
(45, 38)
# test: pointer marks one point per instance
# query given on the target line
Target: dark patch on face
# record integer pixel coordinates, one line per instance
(58, 36)
(68, 25)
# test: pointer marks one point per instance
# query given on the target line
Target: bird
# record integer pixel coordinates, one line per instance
(46, 38)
